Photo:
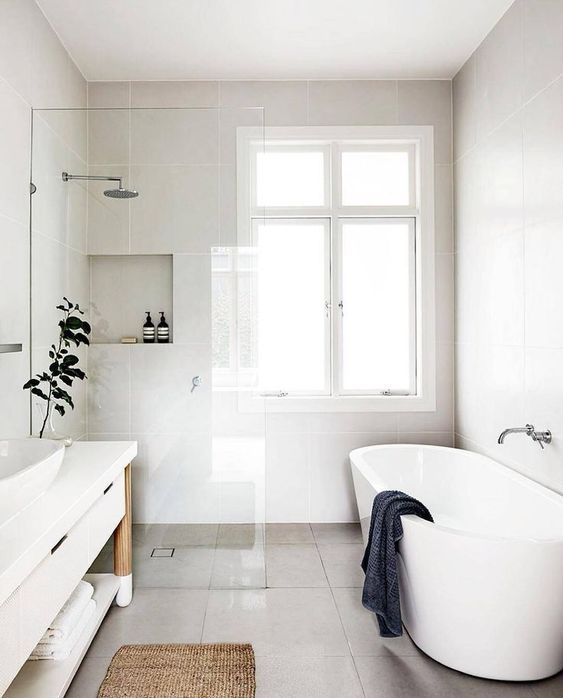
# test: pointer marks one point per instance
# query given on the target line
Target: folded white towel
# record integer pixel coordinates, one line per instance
(69, 615)
(62, 649)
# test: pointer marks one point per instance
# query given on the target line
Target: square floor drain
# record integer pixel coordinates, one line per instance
(163, 552)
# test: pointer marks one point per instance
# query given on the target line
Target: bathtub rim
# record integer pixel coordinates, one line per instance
(358, 462)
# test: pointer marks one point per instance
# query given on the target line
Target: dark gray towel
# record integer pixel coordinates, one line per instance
(381, 586)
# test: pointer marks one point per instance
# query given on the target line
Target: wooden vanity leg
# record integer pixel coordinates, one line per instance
(123, 549)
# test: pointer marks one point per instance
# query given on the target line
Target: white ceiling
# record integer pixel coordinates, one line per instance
(277, 39)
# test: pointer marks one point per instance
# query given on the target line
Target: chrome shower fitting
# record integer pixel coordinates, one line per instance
(119, 193)
(540, 437)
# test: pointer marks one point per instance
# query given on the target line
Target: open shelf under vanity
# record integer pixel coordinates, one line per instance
(48, 677)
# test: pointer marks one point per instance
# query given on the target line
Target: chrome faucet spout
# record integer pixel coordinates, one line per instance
(540, 437)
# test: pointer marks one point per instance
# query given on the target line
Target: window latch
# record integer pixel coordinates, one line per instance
(341, 306)
(328, 307)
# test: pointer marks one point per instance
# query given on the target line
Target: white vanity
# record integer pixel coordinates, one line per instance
(47, 548)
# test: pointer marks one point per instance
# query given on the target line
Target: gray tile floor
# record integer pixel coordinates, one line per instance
(293, 591)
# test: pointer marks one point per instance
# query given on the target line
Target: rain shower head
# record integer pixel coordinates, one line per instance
(119, 193)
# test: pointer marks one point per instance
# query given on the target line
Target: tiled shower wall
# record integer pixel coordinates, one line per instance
(186, 172)
(508, 127)
(35, 71)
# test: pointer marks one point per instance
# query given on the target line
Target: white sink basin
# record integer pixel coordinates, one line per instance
(27, 468)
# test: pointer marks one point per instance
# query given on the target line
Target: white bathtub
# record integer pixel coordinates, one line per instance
(482, 587)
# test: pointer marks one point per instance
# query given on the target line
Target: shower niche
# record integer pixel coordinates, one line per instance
(122, 289)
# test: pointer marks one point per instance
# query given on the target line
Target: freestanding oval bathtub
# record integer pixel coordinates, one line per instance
(482, 587)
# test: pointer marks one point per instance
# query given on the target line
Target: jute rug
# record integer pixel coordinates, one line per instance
(180, 671)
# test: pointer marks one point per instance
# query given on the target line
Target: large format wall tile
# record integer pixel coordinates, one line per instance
(177, 209)
(35, 71)
(174, 137)
(15, 148)
(543, 48)
(352, 102)
(108, 388)
(428, 102)
(176, 94)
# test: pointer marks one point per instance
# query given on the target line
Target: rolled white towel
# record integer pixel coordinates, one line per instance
(62, 649)
(69, 615)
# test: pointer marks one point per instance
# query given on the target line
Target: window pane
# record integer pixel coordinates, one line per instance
(291, 313)
(290, 178)
(377, 259)
(375, 178)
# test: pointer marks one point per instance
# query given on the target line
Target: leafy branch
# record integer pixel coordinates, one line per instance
(63, 369)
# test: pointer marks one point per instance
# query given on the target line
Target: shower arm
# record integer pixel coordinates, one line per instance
(67, 177)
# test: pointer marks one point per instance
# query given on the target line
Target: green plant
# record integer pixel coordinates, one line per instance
(63, 369)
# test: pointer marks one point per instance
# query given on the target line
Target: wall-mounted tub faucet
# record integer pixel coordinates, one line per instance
(541, 437)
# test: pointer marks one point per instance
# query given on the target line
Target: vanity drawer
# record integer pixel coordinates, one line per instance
(105, 515)
(44, 592)
(9, 640)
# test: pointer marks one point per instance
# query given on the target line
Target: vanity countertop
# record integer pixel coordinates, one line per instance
(87, 469)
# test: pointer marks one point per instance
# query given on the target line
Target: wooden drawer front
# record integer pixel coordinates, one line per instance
(51, 583)
(9, 640)
(105, 515)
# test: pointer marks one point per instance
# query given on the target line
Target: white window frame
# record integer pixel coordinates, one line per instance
(418, 140)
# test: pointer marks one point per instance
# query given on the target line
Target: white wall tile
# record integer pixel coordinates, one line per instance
(287, 478)
(14, 402)
(108, 137)
(108, 389)
(543, 48)
(500, 71)
(14, 282)
(16, 19)
(35, 71)
(443, 214)
(445, 297)
(161, 379)
(284, 101)
(332, 491)
(352, 102)
(177, 209)
(178, 94)
(544, 387)
(15, 149)
(175, 137)
(429, 102)
(544, 284)
(109, 95)
(173, 480)
(108, 219)
(464, 87)
(192, 298)
(543, 155)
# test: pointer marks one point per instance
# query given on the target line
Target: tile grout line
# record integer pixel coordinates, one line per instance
(341, 621)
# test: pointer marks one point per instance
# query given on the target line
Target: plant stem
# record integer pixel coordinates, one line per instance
(51, 381)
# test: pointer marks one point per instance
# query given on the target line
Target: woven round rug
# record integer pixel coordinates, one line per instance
(181, 671)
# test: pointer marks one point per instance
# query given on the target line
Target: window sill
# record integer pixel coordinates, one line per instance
(369, 403)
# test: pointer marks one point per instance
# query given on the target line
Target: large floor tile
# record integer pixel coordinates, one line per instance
(240, 535)
(333, 677)
(176, 535)
(421, 677)
(342, 564)
(288, 534)
(239, 568)
(278, 622)
(154, 616)
(188, 568)
(88, 678)
(294, 566)
(362, 630)
(337, 533)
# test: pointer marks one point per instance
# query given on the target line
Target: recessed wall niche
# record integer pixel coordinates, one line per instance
(123, 288)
